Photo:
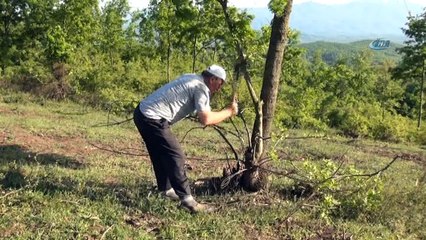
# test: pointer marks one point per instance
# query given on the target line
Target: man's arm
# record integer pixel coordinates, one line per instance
(211, 118)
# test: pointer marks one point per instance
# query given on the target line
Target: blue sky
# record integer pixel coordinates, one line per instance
(139, 4)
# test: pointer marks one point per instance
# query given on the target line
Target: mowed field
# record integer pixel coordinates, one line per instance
(68, 172)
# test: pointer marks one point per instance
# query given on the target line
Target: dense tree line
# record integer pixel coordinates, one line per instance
(111, 56)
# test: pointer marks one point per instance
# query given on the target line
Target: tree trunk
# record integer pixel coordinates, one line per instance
(255, 179)
(6, 43)
(194, 53)
(273, 69)
(419, 121)
(169, 53)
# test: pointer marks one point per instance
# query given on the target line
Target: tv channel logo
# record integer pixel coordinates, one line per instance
(379, 44)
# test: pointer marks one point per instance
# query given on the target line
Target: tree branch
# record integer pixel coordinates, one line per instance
(104, 234)
(115, 151)
(227, 141)
(112, 124)
(371, 174)
(190, 130)
(225, 182)
(246, 127)
(239, 135)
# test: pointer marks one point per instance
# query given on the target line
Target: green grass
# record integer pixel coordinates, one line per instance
(58, 181)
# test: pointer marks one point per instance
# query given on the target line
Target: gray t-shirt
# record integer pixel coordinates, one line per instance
(177, 99)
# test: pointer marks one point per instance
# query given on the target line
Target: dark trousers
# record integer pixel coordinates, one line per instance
(165, 152)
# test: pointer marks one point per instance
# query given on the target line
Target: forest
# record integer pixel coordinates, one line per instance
(109, 56)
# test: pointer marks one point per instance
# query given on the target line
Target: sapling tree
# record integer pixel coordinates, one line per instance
(252, 178)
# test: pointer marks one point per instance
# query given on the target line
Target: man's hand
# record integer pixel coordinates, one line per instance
(234, 107)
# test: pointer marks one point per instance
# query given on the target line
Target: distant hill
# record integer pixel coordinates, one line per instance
(361, 19)
(331, 51)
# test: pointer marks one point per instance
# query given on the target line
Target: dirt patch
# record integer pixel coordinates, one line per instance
(34, 146)
(15, 230)
(39, 143)
(387, 152)
(151, 223)
(18, 111)
(76, 147)
(6, 110)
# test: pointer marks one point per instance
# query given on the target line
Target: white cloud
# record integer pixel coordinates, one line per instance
(139, 4)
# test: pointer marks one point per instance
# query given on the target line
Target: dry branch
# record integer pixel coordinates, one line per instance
(369, 174)
(112, 124)
(106, 231)
(11, 192)
(225, 182)
(227, 141)
(116, 151)
(190, 130)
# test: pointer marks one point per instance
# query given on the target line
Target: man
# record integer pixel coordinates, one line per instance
(174, 101)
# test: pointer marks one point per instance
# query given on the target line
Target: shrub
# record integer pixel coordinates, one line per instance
(344, 197)
(27, 81)
(369, 120)
(298, 110)
(421, 135)
(39, 80)
(391, 128)
(350, 121)
(119, 100)
(31, 73)
(58, 88)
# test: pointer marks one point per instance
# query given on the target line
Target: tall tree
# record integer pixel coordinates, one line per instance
(167, 35)
(30, 34)
(388, 91)
(79, 20)
(414, 56)
(159, 24)
(113, 33)
(204, 30)
(13, 14)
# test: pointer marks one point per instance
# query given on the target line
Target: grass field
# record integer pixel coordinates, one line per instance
(64, 175)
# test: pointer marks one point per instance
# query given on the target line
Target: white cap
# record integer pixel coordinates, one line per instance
(217, 71)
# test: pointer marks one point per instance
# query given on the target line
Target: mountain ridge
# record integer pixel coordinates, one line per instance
(331, 51)
(345, 22)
